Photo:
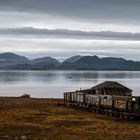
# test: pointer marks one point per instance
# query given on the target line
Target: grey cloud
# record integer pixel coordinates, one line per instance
(71, 34)
(36, 47)
(116, 10)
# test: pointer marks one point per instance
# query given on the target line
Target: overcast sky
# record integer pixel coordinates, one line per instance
(62, 28)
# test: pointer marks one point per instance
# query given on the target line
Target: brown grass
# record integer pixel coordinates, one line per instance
(39, 119)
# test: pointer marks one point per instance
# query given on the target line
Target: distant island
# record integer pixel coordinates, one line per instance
(17, 62)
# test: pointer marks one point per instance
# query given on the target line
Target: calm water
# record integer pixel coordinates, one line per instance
(54, 83)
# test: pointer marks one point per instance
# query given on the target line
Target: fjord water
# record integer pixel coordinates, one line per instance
(52, 84)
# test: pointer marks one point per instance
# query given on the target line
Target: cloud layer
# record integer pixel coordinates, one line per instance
(118, 11)
(62, 28)
(64, 33)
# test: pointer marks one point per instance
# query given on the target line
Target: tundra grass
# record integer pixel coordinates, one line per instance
(40, 119)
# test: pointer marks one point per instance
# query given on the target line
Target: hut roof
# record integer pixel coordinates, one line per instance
(110, 84)
(106, 85)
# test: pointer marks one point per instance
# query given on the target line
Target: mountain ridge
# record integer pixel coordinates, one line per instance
(14, 61)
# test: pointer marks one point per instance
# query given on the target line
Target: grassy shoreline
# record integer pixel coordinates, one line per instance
(42, 119)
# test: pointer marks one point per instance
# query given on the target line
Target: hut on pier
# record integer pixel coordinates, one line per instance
(112, 88)
(108, 88)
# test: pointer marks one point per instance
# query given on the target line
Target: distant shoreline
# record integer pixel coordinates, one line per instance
(32, 98)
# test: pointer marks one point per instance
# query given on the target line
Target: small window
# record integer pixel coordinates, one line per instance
(105, 97)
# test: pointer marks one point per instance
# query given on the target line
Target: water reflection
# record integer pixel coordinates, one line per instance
(54, 83)
(94, 75)
(26, 76)
(12, 76)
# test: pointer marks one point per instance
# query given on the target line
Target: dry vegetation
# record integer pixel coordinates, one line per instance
(39, 119)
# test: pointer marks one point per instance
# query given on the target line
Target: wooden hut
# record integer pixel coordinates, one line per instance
(112, 88)
(108, 88)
